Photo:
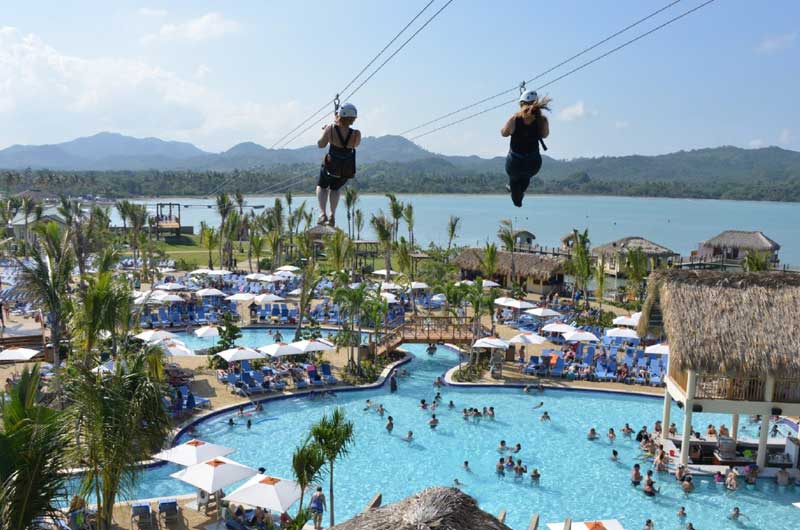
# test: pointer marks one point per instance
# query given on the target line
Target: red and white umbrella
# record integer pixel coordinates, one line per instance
(580, 336)
(206, 332)
(491, 343)
(240, 353)
(214, 474)
(528, 338)
(279, 349)
(193, 452)
(271, 493)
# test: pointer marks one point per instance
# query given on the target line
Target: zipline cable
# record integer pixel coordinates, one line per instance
(570, 72)
(549, 70)
(378, 69)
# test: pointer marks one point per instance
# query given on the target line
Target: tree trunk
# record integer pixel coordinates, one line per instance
(331, 493)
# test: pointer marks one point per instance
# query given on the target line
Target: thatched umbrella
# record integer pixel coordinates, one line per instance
(434, 508)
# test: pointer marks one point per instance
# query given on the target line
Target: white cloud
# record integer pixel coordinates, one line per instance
(776, 43)
(622, 124)
(756, 143)
(56, 97)
(785, 137)
(207, 27)
(574, 112)
(201, 71)
(150, 12)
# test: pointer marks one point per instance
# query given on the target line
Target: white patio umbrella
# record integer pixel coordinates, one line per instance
(661, 349)
(491, 342)
(105, 368)
(214, 474)
(308, 346)
(153, 335)
(240, 353)
(384, 273)
(389, 297)
(625, 333)
(465, 282)
(287, 268)
(528, 338)
(18, 354)
(489, 283)
(257, 277)
(296, 292)
(168, 298)
(580, 336)
(240, 297)
(171, 286)
(390, 286)
(625, 321)
(438, 298)
(272, 278)
(271, 493)
(218, 272)
(516, 304)
(193, 452)
(285, 274)
(268, 298)
(175, 348)
(558, 327)
(543, 312)
(206, 332)
(199, 272)
(415, 286)
(209, 292)
(279, 349)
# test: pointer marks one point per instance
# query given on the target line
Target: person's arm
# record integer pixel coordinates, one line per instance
(326, 137)
(356, 138)
(544, 127)
(508, 128)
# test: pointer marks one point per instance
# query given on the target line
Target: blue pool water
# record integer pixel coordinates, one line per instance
(578, 478)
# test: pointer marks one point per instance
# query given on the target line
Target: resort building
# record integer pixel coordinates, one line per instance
(614, 254)
(735, 244)
(734, 349)
(539, 274)
(524, 240)
(22, 229)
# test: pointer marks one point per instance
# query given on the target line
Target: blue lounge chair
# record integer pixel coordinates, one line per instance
(558, 369)
(141, 515)
(327, 375)
(168, 510)
(315, 379)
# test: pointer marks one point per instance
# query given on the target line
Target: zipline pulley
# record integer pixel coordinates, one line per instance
(336, 104)
(521, 88)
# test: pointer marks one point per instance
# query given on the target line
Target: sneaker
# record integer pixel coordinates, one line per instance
(332, 221)
(322, 219)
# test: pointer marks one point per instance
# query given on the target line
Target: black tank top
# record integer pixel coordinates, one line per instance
(525, 140)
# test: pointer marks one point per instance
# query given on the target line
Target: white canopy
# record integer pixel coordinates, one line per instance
(105, 368)
(257, 277)
(513, 303)
(389, 297)
(625, 333)
(214, 474)
(209, 292)
(171, 286)
(491, 342)
(174, 348)
(528, 338)
(287, 268)
(279, 349)
(465, 282)
(543, 312)
(153, 335)
(558, 327)
(240, 297)
(660, 349)
(218, 272)
(439, 298)
(419, 285)
(390, 286)
(580, 336)
(168, 298)
(240, 353)
(193, 452)
(284, 275)
(384, 273)
(18, 354)
(206, 332)
(272, 278)
(199, 271)
(490, 283)
(271, 493)
(296, 292)
(632, 320)
(308, 346)
(262, 299)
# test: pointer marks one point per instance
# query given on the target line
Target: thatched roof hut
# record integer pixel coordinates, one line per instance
(742, 240)
(320, 232)
(535, 266)
(434, 508)
(622, 246)
(727, 323)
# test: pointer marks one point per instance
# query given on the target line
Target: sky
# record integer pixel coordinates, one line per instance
(219, 73)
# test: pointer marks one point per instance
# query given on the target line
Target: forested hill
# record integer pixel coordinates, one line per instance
(116, 165)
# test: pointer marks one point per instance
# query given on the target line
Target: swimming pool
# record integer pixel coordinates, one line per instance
(251, 337)
(578, 478)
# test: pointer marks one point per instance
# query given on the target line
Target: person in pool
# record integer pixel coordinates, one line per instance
(433, 422)
(687, 485)
(611, 435)
(500, 467)
(614, 455)
(502, 448)
(437, 397)
(517, 448)
(465, 414)
(380, 410)
(636, 475)
(627, 431)
(649, 525)
(682, 512)
(408, 437)
(423, 405)
(519, 469)
(735, 513)
(231, 423)
(390, 424)
(509, 463)
(457, 483)
(259, 407)
(592, 435)
(466, 466)
(249, 423)
(451, 405)
(545, 416)
(649, 485)
(491, 412)
(368, 405)
(434, 405)
(540, 405)
(241, 411)
(535, 475)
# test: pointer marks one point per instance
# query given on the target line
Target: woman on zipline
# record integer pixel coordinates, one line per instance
(527, 128)
(339, 163)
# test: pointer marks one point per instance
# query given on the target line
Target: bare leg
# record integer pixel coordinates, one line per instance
(322, 197)
(334, 194)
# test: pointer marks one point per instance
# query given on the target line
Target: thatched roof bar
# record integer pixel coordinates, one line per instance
(526, 264)
(622, 246)
(742, 239)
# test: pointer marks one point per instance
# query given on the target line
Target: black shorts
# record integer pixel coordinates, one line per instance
(328, 181)
(520, 169)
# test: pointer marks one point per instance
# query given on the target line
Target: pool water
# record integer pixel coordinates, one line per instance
(578, 478)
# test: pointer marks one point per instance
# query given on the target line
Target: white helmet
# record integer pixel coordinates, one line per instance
(348, 110)
(529, 96)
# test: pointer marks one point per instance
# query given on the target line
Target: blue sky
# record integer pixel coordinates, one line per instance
(218, 73)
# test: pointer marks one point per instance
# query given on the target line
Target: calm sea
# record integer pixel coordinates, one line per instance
(679, 224)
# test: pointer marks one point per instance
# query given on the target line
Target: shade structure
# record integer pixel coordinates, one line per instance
(283, 275)
(415, 286)
(209, 292)
(174, 348)
(206, 332)
(153, 335)
(385, 273)
(240, 297)
(528, 338)
(624, 321)
(490, 283)
(491, 342)
(624, 333)
(580, 336)
(240, 353)
(268, 298)
(105, 368)
(390, 286)
(543, 312)
(287, 268)
(271, 493)
(389, 297)
(308, 346)
(513, 303)
(279, 349)
(660, 349)
(272, 278)
(193, 452)
(198, 272)
(18, 354)
(168, 298)
(439, 298)
(295, 292)
(218, 272)
(171, 286)
(256, 277)
(558, 327)
(214, 474)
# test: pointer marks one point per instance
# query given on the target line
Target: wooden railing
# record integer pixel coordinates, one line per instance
(730, 388)
(787, 391)
(430, 329)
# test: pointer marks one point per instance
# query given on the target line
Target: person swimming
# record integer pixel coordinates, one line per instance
(423, 405)
(259, 406)
(434, 405)
(451, 405)
(466, 466)
(380, 410)
(500, 467)
(456, 483)
(636, 475)
(408, 437)
(682, 512)
(431, 349)
(544, 417)
(735, 513)
(231, 423)
(433, 422)
(368, 405)
(502, 448)
(649, 485)
(438, 397)
(390, 424)
(249, 423)
(241, 411)
(611, 435)
(540, 405)
(491, 412)
(535, 475)
(517, 448)
(614, 455)
(519, 469)
(592, 435)
(509, 463)
(627, 431)
(687, 485)
(465, 414)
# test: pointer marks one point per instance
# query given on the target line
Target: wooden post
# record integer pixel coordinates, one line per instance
(534, 522)
(691, 383)
(502, 516)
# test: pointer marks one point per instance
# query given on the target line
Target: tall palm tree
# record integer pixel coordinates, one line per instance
(405, 263)
(28, 206)
(507, 237)
(224, 209)
(635, 272)
(383, 230)
(600, 283)
(209, 238)
(333, 435)
(351, 302)
(374, 311)
(273, 240)
(231, 232)
(358, 222)
(307, 464)
(256, 248)
(452, 230)
(32, 441)
(138, 219)
(338, 249)
(118, 420)
(396, 209)
(350, 201)
(408, 217)
(308, 283)
(580, 262)
(488, 262)
(123, 210)
(481, 304)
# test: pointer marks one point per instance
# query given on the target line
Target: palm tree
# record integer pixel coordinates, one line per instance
(452, 230)
(635, 272)
(396, 210)
(481, 305)
(755, 261)
(488, 262)
(209, 238)
(405, 263)
(351, 302)
(47, 277)
(273, 240)
(408, 217)
(256, 248)
(600, 284)
(507, 237)
(350, 200)
(118, 420)
(338, 248)
(231, 232)
(28, 207)
(358, 223)
(308, 284)
(334, 436)
(375, 310)
(32, 463)
(138, 218)
(383, 230)
(580, 263)
(307, 464)
(224, 209)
